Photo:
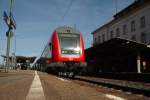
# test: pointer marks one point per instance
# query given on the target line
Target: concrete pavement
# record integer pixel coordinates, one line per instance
(31, 85)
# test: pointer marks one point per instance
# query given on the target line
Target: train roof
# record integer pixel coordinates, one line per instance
(67, 29)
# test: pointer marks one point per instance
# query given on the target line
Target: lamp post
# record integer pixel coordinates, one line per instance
(10, 22)
(9, 34)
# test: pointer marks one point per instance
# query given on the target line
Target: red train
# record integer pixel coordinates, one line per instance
(64, 53)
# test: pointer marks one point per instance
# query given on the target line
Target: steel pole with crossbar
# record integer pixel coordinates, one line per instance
(9, 20)
(7, 50)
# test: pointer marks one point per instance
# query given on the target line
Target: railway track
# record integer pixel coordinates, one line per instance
(126, 86)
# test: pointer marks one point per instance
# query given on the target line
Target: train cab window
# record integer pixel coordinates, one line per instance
(69, 43)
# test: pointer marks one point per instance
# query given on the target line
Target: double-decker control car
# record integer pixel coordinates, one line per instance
(64, 53)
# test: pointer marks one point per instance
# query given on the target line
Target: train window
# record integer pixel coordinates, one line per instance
(69, 43)
(68, 35)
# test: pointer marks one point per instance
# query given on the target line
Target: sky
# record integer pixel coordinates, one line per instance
(37, 19)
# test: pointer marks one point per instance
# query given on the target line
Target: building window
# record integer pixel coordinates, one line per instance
(132, 26)
(99, 39)
(143, 37)
(111, 34)
(133, 38)
(142, 22)
(124, 29)
(103, 37)
(117, 32)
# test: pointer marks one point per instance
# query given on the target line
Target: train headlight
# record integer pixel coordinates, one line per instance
(77, 50)
(63, 51)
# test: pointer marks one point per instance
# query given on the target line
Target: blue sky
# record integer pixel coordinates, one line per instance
(37, 19)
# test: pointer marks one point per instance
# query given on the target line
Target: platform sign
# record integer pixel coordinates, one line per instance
(12, 21)
(6, 18)
(9, 20)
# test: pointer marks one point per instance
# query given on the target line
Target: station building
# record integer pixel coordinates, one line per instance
(131, 23)
(122, 45)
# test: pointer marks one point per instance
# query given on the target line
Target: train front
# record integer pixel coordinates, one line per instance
(69, 54)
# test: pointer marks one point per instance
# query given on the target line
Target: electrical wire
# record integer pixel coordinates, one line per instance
(68, 9)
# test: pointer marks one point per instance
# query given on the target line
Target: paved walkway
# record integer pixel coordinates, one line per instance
(36, 90)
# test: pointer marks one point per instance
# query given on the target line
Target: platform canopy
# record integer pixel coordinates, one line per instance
(119, 55)
(23, 59)
(117, 44)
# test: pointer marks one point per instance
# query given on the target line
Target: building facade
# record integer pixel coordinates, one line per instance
(132, 23)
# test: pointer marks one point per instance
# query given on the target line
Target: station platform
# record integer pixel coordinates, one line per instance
(15, 84)
(34, 85)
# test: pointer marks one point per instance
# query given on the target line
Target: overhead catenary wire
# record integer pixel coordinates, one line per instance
(68, 9)
(116, 6)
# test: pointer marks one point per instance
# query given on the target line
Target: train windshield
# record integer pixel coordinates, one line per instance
(69, 43)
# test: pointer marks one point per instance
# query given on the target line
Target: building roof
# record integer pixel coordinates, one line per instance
(130, 8)
(125, 11)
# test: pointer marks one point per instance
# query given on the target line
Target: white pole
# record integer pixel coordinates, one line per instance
(138, 63)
